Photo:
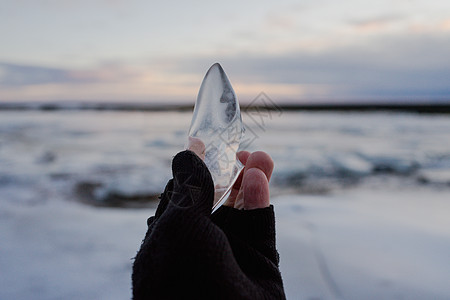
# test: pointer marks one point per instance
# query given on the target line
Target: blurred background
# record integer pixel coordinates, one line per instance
(149, 51)
(351, 100)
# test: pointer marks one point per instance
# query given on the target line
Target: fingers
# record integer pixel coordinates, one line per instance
(261, 160)
(196, 146)
(249, 191)
(255, 189)
(243, 157)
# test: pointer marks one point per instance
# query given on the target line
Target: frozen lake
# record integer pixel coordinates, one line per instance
(362, 200)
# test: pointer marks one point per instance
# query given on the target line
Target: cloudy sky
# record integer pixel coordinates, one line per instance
(294, 51)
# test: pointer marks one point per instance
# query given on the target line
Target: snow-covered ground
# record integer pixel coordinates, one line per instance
(362, 201)
(66, 250)
(365, 244)
(360, 244)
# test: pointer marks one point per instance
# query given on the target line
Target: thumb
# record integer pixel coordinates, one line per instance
(192, 183)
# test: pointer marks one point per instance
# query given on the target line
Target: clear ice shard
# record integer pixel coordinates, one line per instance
(216, 131)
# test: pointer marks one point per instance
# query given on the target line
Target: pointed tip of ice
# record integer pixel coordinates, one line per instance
(217, 70)
(216, 65)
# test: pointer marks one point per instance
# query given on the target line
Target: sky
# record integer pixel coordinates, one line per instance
(295, 51)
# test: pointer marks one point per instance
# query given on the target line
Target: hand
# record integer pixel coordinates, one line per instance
(185, 243)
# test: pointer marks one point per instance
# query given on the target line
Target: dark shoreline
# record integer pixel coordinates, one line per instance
(428, 108)
(415, 108)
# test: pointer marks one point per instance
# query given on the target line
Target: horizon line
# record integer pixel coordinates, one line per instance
(266, 104)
